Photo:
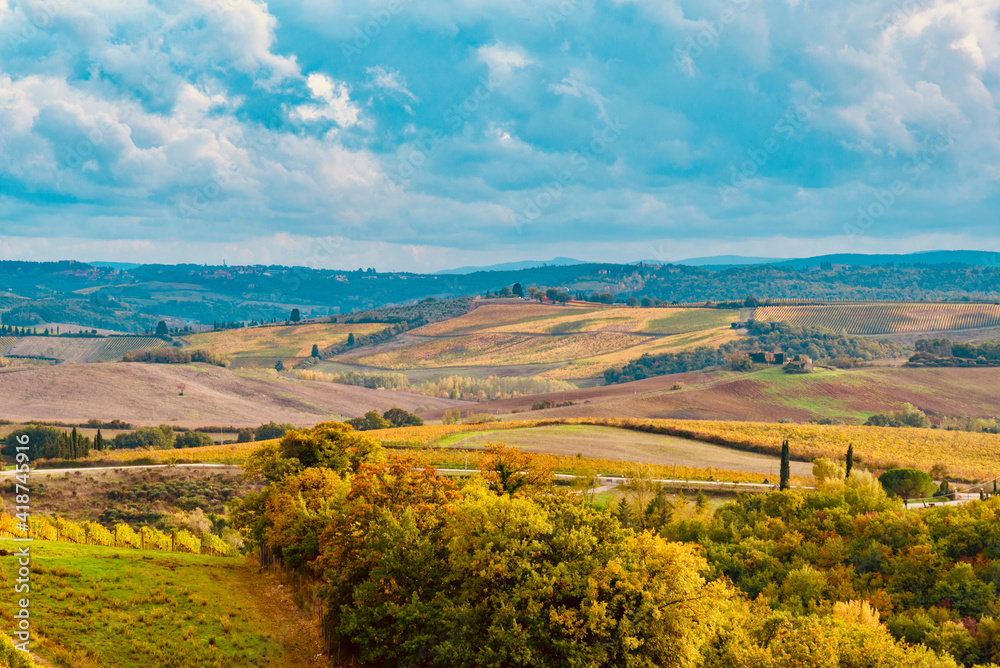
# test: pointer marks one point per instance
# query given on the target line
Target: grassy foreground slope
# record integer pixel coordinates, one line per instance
(581, 340)
(106, 607)
(152, 394)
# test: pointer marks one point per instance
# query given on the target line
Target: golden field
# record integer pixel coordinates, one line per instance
(284, 342)
(582, 340)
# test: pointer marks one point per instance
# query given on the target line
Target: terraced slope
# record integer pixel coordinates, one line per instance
(582, 341)
(80, 350)
(880, 318)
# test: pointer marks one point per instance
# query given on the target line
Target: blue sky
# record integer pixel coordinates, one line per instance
(423, 135)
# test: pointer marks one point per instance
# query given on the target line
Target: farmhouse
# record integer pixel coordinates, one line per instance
(777, 356)
(800, 364)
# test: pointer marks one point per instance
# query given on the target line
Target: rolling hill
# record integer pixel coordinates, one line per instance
(581, 341)
(151, 394)
(770, 395)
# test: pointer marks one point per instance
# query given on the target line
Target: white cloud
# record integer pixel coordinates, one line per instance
(503, 60)
(391, 80)
(336, 98)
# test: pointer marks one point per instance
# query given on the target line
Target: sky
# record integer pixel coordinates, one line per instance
(419, 136)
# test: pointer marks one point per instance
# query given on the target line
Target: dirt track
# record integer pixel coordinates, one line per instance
(151, 394)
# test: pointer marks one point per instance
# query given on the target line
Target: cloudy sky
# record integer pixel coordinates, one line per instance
(423, 135)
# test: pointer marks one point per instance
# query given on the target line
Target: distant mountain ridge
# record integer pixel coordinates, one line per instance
(514, 266)
(969, 257)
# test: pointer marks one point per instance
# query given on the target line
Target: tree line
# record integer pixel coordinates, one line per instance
(505, 568)
(815, 342)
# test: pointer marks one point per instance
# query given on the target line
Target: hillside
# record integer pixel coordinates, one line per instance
(770, 395)
(580, 340)
(881, 318)
(263, 346)
(76, 349)
(101, 606)
(151, 394)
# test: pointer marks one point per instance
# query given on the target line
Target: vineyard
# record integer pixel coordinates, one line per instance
(581, 341)
(874, 318)
(80, 350)
(967, 456)
(121, 535)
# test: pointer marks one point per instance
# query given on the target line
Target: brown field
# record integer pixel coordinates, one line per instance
(629, 446)
(582, 341)
(150, 394)
(849, 395)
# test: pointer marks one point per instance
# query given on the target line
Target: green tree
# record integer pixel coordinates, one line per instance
(315, 351)
(271, 430)
(907, 483)
(398, 417)
(518, 290)
(161, 328)
(245, 436)
(850, 461)
(295, 315)
(786, 466)
(350, 339)
(371, 421)
(279, 366)
(192, 439)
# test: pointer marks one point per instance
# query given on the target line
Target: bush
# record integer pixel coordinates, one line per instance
(908, 416)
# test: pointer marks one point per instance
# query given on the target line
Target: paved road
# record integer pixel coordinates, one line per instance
(122, 468)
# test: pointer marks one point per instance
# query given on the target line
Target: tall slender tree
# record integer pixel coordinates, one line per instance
(786, 466)
(850, 461)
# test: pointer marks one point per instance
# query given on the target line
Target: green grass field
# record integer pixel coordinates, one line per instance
(118, 608)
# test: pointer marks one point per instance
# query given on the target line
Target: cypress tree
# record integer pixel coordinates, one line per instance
(850, 460)
(786, 467)
(98, 441)
(74, 441)
(624, 513)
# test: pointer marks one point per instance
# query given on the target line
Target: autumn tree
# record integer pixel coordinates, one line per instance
(509, 471)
